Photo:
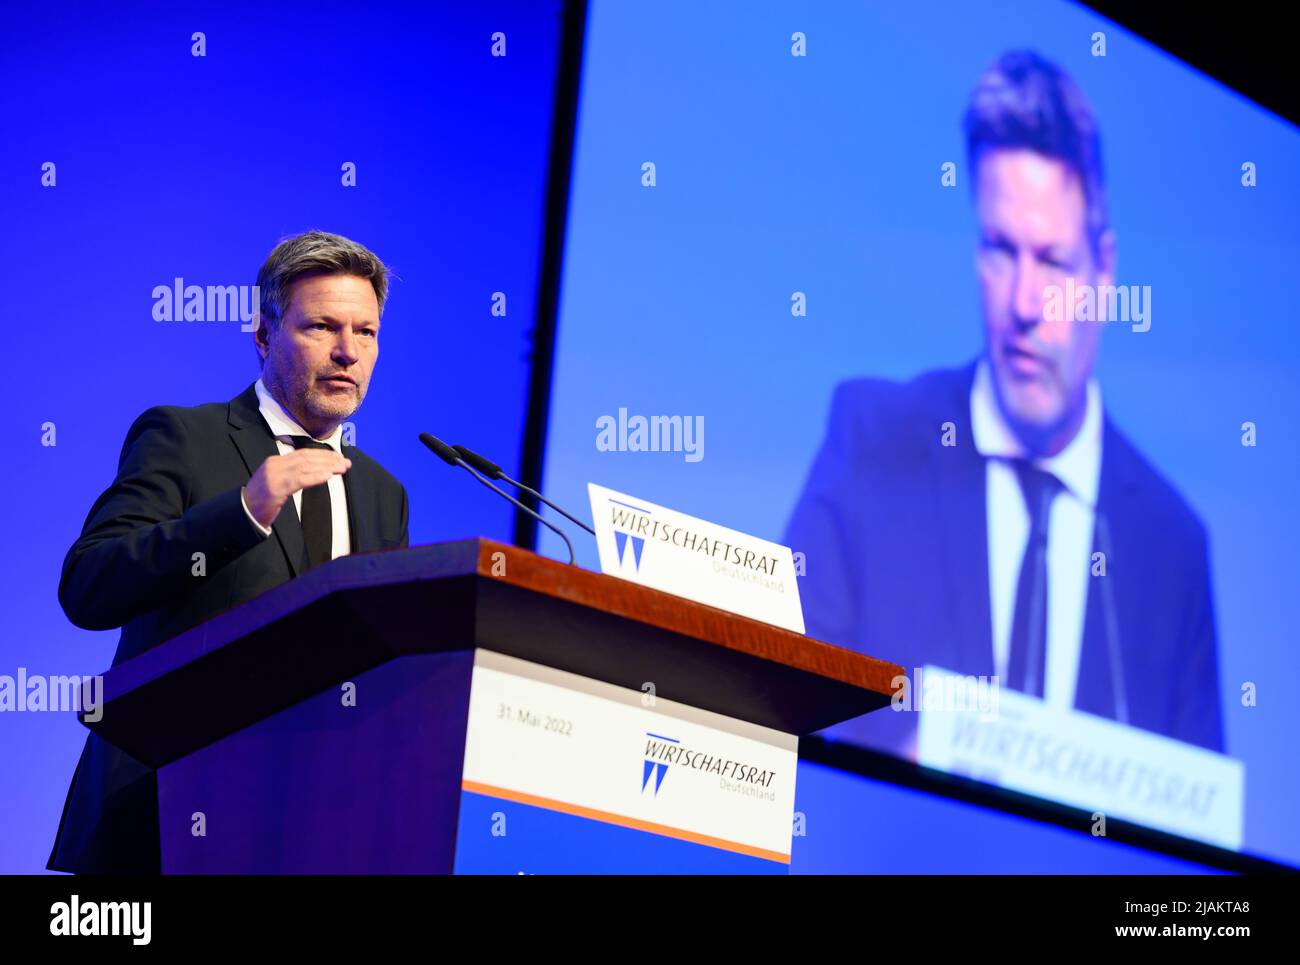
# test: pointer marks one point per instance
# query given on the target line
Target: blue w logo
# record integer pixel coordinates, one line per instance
(620, 546)
(656, 768)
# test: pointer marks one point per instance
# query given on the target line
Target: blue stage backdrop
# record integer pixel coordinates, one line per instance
(171, 165)
(717, 173)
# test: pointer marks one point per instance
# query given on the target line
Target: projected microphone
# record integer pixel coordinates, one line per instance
(1119, 691)
(493, 471)
(449, 455)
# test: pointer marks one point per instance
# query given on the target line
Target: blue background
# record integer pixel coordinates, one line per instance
(776, 174)
(173, 165)
(821, 174)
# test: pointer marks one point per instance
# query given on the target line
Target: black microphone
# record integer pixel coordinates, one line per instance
(493, 471)
(449, 455)
(1119, 691)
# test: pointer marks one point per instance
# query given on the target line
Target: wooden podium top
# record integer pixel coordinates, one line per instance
(598, 591)
(360, 611)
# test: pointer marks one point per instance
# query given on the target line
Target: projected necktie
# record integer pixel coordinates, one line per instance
(1025, 668)
(317, 516)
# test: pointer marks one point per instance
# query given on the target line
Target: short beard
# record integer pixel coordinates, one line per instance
(296, 398)
(1048, 438)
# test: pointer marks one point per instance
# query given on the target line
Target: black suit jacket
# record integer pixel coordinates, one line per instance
(893, 525)
(177, 494)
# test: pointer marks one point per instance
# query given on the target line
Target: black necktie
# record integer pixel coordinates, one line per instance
(1025, 668)
(317, 516)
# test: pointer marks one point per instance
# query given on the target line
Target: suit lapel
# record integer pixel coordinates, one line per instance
(1093, 693)
(359, 528)
(253, 439)
(1098, 680)
(962, 515)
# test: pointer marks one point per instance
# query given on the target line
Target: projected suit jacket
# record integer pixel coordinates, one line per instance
(177, 494)
(893, 526)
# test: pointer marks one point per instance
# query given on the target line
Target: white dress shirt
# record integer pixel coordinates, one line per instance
(283, 427)
(1069, 536)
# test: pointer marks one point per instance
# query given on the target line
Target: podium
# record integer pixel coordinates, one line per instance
(472, 707)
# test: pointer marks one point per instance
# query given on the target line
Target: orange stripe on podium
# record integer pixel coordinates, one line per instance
(610, 818)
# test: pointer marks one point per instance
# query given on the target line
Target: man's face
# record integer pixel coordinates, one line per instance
(318, 360)
(1033, 234)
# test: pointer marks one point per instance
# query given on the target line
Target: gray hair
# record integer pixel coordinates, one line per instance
(314, 253)
(1026, 101)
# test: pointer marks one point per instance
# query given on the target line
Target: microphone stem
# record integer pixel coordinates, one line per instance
(534, 492)
(501, 492)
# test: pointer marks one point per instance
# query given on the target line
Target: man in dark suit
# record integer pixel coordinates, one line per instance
(991, 520)
(218, 503)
